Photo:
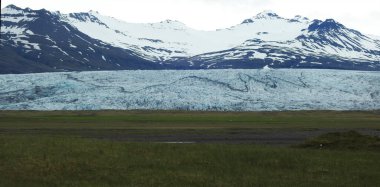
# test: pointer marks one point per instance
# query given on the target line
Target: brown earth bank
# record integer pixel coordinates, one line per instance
(279, 137)
(269, 128)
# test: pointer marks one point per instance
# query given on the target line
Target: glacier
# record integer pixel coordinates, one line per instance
(205, 90)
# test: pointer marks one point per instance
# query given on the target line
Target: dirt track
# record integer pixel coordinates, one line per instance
(279, 137)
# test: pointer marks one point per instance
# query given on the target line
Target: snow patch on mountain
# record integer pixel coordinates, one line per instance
(174, 39)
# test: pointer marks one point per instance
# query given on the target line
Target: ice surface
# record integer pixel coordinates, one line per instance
(222, 90)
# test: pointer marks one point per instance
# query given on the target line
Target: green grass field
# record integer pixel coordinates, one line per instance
(187, 120)
(58, 149)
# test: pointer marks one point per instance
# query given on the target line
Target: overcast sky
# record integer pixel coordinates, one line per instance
(363, 15)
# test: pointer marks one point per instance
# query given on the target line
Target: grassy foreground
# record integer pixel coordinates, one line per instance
(45, 161)
(52, 149)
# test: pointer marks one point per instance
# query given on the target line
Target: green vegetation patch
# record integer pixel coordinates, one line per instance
(64, 161)
(188, 120)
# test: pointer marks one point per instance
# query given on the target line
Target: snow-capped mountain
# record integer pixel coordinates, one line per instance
(39, 41)
(42, 41)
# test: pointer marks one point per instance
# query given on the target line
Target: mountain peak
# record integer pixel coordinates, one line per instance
(12, 6)
(93, 12)
(15, 10)
(173, 24)
(247, 21)
(328, 24)
(267, 14)
(169, 21)
(300, 18)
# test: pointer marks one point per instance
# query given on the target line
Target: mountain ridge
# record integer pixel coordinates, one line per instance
(106, 43)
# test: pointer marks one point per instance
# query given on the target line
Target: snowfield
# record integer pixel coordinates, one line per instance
(220, 90)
